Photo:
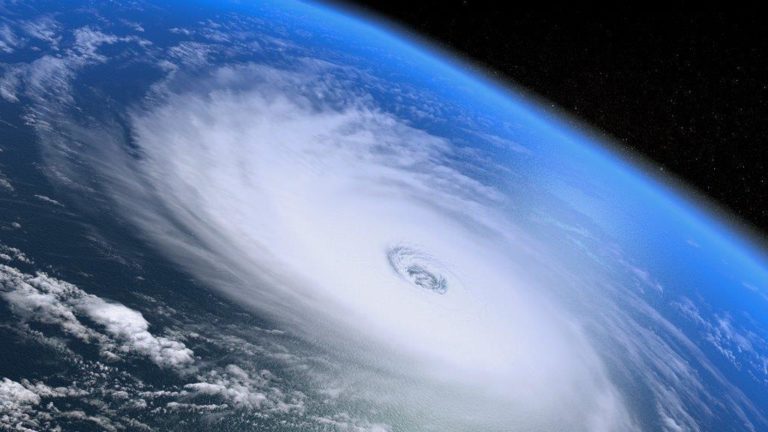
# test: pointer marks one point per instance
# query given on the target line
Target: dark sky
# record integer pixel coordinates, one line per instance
(688, 89)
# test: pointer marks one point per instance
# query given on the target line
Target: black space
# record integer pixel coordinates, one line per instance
(688, 89)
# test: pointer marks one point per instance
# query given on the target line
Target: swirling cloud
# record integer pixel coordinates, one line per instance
(332, 217)
(385, 244)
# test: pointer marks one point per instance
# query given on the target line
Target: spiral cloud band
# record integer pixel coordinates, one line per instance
(354, 229)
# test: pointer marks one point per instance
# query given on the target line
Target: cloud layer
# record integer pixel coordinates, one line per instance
(295, 204)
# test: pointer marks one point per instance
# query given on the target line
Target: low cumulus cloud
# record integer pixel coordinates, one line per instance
(121, 330)
(202, 386)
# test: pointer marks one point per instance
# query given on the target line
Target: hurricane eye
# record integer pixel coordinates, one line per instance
(417, 268)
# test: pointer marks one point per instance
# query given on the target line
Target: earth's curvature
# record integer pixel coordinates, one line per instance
(277, 216)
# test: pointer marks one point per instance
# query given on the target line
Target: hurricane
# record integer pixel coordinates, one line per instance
(403, 243)
(351, 227)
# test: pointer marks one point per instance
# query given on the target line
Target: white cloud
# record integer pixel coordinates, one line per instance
(191, 53)
(13, 394)
(10, 81)
(181, 31)
(45, 299)
(88, 41)
(245, 390)
(296, 192)
(47, 79)
(6, 184)
(742, 346)
(131, 329)
(43, 28)
(49, 200)
(17, 405)
(8, 39)
(15, 253)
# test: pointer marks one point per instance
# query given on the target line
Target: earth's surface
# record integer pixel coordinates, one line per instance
(280, 217)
